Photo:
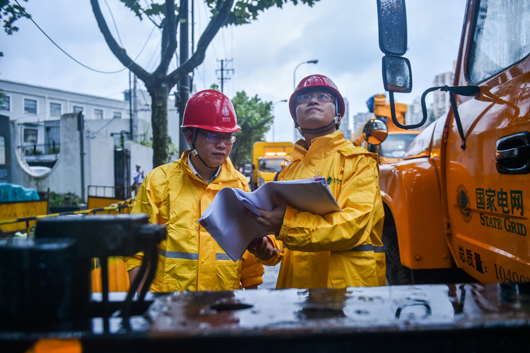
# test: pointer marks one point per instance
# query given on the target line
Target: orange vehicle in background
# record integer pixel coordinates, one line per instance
(268, 159)
(459, 204)
(394, 147)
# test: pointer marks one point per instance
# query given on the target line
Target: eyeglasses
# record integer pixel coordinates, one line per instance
(216, 138)
(321, 97)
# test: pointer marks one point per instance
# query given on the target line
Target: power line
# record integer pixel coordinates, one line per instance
(205, 16)
(222, 71)
(74, 59)
(232, 52)
(152, 56)
(223, 35)
(114, 22)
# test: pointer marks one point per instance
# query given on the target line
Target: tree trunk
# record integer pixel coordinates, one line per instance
(234, 155)
(159, 83)
(159, 95)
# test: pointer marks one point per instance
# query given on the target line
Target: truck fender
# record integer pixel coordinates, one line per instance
(411, 195)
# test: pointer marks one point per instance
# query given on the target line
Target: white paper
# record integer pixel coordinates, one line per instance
(227, 223)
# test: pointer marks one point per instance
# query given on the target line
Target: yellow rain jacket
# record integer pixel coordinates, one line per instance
(343, 248)
(190, 259)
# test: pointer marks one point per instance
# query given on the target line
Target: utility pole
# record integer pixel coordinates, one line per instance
(184, 89)
(130, 106)
(81, 129)
(134, 133)
(133, 110)
(224, 78)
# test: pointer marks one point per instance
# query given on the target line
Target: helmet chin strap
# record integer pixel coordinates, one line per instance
(194, 150)
(302, 131)
(335, 121)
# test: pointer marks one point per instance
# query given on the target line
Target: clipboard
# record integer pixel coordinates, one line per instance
(225, 218)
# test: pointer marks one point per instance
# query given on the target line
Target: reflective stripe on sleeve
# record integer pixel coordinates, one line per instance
(188, 255)
(368, 247)
(178, 255)
(222, 257)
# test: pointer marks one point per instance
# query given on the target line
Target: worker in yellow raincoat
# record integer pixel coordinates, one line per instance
(339, 249)
(177, 193)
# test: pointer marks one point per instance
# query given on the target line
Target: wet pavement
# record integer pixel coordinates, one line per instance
(433, 318)
(396, 308)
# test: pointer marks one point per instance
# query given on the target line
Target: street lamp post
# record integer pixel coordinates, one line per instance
(294, 73)
(274, 115)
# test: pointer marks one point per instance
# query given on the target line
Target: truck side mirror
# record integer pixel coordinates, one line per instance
(392, 20)
(397, 74)
(375, 132)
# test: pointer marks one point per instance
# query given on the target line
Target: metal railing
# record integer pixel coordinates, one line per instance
(107, 191)
(41, 154)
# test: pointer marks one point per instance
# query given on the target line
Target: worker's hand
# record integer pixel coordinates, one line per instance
(261, 248)
(271, 221)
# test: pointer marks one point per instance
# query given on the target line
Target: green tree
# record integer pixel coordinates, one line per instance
(9, 13)
(254, 117)
(165, 15)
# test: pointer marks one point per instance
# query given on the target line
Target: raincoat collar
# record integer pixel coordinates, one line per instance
(321, 147)
(227, 171)
(199, 176)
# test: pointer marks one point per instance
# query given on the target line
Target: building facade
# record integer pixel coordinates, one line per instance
(104, 127)
(441, 102)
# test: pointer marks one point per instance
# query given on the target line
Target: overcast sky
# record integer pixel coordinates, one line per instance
(341, 34)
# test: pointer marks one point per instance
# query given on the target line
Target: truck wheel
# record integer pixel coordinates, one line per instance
(396, 273)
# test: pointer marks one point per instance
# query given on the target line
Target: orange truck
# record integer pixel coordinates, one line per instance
(268, 158)
(457, 207)
(395, 145)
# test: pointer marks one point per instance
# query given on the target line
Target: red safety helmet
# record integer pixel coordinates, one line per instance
(317, 81)
(210, 110)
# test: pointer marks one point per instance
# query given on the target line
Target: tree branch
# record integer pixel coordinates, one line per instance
(150, 19)
(206, 38)
(118, 51)
(169, 31)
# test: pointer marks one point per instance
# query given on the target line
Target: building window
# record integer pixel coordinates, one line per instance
(55, 109)
(77, 109)
(30, 135)
(30, 106)
(5, 103)
(116, 115)
(98, 113)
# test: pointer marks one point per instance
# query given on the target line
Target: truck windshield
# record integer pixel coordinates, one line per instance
(501, 37)
(271, 164)
(395, 145)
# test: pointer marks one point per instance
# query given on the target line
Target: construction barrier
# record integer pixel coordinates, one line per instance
(99, 202)
(21, 210)
(118, 276)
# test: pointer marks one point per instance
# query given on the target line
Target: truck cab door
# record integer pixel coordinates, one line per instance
(488, 184)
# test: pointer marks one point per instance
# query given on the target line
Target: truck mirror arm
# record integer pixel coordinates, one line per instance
(394, 118)
(460, 90)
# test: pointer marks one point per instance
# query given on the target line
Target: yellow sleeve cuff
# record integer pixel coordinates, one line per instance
(276, 257)
(287, 220)
(249, 281)
(132, 262)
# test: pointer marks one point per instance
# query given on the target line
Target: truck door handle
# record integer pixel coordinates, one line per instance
(513, 154)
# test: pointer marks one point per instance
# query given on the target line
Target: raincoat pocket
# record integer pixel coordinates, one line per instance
(180, 275)
(227, 275)
(353, 269)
